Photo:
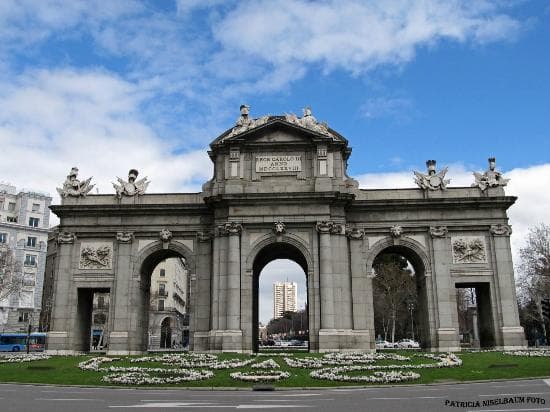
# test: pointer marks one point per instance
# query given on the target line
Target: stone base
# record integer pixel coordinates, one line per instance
(447, 340)
(345, 340)
(58, 343)
(513, 337)
(226, 341)
(199, 342)
(118, 343)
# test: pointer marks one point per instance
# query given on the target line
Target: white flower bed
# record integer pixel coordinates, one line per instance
(266, 364)
(144, 377)
(533, 353)
(23, 357)
(260, 377)
(336, 358)
(93, 364)
(194, 360)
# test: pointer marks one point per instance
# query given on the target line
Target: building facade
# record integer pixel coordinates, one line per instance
(280, 190)
(168, 319)
(24, 223)
(285, 297)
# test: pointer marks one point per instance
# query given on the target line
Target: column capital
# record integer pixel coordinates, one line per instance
(501, 229)
(125, 237)
(324, 226)
(66, 238)
(354, 233)
(233, 228)
(438, 231)
(204, 236)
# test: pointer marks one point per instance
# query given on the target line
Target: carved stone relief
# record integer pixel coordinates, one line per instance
(469, 249)
(66, 237)
(396, 231)
(165, 235)
(501, 230)
(438, 231)
(324, 226)
(279, 228)
(96, 255)
(233, 228)
(354, 233)
(125, 237)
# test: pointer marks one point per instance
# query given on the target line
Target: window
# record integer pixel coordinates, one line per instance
(11, 207)
(30, 260)
(11, 219)
(31, 241)
(162, 289)
(161, 304)
(162, 273)
(3, 238)
(23, 316)
(29, 279)
(33, 221)
(101, 302)
(36, 207)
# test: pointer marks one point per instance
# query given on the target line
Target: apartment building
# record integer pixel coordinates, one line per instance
(285, 298)
(24, 223)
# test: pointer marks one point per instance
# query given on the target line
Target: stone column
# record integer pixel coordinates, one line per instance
(447, 329)
(233, 276)
(64, 298)
(200, 295)
(128, 327)
(325, 275)
(512, 332)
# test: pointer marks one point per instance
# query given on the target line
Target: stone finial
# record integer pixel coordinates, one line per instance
(354, 233)
(432, 180)
(233, 228)
(132, 187)
(165, 235)
(125, 237)
(72, 187)
(66, 238)
(438, 231)
(396, 231)
(500, 230)
(324, 226)
(279, 228)
(490, 178)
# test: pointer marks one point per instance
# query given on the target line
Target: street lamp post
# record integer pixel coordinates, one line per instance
(411, 309)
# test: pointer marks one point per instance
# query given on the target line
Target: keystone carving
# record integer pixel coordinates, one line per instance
(469, 249)
(233, 228)
(489, 178)
(324, 226)
(433, 180)
(396, 231)
(66, 237)
(165, 235)
(131, 187)
(125, 237)
(279, 228)
(354, 233)
(501, 230)
(438, 231)
(72, 187)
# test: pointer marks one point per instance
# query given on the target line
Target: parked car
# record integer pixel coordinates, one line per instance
(384, 344)
(408, 343)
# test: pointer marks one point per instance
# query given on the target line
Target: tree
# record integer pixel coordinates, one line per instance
(394, 286)
(11, 274)
(534, 280)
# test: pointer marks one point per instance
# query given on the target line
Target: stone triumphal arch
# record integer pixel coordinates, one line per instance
(280, 190)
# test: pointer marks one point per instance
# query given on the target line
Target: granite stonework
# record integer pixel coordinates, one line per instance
(280, 191)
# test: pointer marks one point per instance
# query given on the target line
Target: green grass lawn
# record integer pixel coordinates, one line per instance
(476, 366)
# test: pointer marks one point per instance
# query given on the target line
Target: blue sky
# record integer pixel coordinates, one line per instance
(109, 86)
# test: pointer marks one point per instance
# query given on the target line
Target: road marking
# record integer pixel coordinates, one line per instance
(271, 406)
(509, 410)
(158, 405)
(67, 399)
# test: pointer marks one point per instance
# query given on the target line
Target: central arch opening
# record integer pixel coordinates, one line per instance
(280, 298)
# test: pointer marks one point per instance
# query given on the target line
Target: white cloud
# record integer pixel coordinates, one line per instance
(395, 107)
(528, 184)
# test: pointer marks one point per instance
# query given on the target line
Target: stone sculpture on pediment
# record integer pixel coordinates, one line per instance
(245, 123)
(308, 121)
(72, 187)
(432, 180)
(490, 178)
(132, 187)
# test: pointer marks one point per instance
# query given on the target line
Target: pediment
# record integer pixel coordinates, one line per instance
(276, 129)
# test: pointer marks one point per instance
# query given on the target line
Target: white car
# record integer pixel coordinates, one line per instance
(384, 344)
(408, 344)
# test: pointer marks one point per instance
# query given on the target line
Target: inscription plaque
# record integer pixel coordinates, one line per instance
(271, 163)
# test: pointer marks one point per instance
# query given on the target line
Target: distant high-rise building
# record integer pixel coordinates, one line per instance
(285, 297)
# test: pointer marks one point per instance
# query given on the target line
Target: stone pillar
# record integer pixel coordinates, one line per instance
(64, 298)
(325, 275)
(232, 340)
(200, 295)
(361, 292)
(512, 333)
(128, 327)
(447, 329)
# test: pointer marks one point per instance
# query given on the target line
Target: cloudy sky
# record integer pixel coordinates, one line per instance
(111, 85)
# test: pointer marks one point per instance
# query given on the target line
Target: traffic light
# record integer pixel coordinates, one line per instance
(545, 303)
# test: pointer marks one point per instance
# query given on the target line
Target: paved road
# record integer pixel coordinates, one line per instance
(527, 395)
